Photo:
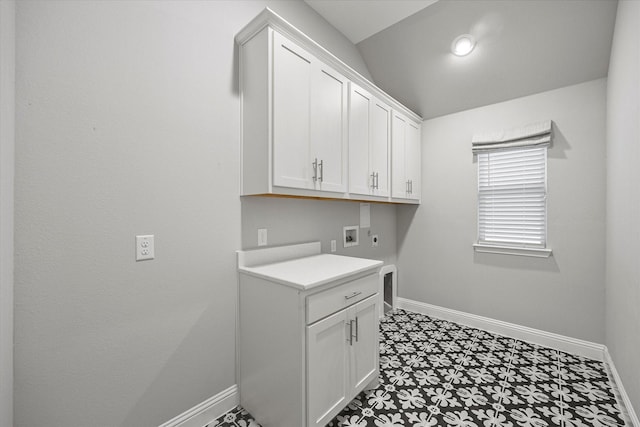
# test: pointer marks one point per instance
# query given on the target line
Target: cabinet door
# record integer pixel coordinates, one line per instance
(379, 146)
(292, 71)
(360, 127)
(327, 368)
(364, 351)
(329, 128)
(412, 160)
(399, 184)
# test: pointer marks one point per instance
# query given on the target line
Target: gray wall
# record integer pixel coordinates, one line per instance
(623, 199)
(292, 221)
(436, 262)
(128, 123)
(7, 138)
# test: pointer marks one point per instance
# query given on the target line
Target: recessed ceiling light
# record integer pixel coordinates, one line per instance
(463, 45)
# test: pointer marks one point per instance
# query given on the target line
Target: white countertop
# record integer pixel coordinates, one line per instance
(311, 271)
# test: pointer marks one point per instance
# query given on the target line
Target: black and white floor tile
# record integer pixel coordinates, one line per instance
(438, 373)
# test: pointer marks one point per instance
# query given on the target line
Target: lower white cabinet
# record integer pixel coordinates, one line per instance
(341, 359)
(307, 338)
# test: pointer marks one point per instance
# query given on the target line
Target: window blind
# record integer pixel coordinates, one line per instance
(533, 134)
(512, 197)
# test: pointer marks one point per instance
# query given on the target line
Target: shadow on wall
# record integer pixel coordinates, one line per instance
(559, 145)
(235, 72)
(405, 214)
(516, 262)
(184, 355)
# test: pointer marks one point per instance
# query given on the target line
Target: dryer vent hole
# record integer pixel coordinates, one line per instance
(388, 292)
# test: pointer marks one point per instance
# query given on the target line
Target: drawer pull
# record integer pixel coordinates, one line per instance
(353, 295)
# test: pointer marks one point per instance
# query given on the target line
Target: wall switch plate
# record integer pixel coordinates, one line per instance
(375, 240)
(145, 248)
(262, 237)
(333, 246)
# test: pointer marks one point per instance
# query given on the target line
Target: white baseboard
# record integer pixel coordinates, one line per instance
(207, 411)
(623, 394)
(535, 336)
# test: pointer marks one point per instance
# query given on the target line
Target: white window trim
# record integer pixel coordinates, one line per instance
(510, 250)
(536, 252)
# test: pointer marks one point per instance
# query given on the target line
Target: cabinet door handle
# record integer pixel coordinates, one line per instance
(356, 328)
(407, 186)
(321, 171)
(377, 180)
(350, 332)
(410, 186)
(373, 180)
(315, 170)
(354, 294)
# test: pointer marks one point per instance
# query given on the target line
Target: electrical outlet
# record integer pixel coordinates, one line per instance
(144, 247)
(262, 237)
(374, 240)
(333, 246)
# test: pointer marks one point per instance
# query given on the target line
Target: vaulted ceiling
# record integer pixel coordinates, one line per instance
(523, 47)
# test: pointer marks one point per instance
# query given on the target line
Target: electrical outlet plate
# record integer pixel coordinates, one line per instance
(262, 237)
(375, 240)
(145, 248)
(333, 246)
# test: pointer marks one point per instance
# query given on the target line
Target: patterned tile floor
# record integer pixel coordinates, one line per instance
(439, 373)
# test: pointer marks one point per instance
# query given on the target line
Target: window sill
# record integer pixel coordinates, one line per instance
(507, 250)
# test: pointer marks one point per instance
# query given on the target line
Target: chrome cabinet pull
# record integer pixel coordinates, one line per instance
(410, 187)
(373, 180)
(354, 294)
(350, 332)
(377, 180)
(321, 171)
(356, 328)
(315, 169)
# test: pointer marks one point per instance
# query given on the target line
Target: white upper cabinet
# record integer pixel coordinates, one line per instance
(369, 135)
(311, 125)
(380, 146)
(329, 129)
(405, 158)
(292, 74)
(309, 120)
(360, 102)
(413, 160)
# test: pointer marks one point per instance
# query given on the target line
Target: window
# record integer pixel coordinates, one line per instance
(512, 189)
(512, 211)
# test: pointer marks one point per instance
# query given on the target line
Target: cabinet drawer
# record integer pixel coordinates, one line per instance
(327, 302)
